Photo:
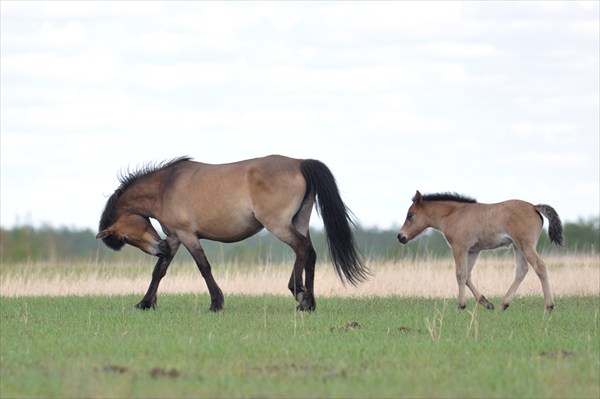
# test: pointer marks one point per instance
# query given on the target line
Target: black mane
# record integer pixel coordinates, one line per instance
(131, 177)
(448, 197)
(127, 179)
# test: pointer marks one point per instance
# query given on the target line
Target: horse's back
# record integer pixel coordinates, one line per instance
(214, 180)
(225, 201)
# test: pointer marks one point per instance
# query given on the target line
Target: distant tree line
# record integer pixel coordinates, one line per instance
(27, 244)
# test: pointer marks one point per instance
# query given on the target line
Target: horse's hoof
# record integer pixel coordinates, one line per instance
(490, 306)
(307, 306)
(306, 302)
(216, 307)
(145, 305)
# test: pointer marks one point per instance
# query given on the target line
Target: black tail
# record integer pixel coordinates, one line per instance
(337, 219)
(555, 227)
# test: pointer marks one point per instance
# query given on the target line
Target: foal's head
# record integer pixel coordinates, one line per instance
(419, 216)
(415, 223)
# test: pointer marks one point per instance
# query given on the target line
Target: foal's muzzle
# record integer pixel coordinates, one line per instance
(402, 239)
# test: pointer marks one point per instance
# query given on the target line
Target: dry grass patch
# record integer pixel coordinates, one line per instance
(433, 277)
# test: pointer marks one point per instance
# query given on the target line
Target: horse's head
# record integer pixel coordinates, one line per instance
(415, 222)
(134, 230)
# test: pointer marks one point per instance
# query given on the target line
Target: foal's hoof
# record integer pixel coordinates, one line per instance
(488, 305)
(549, 308)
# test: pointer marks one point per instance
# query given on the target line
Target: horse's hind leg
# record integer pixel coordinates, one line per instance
(216, 295)
(306, 258)
(520, 271)
(309, 270)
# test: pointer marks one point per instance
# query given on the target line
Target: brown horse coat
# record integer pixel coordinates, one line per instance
(228, 203)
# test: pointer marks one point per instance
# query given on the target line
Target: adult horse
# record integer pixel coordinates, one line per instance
(470, 227)
(229, 203)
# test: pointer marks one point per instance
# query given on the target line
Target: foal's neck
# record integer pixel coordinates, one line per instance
(440, 212)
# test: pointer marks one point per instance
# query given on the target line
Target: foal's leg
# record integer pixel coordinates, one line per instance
(460, 260)
(160, 269)
(216, 295)
(471, 259)
(540, 269)
(520, 271)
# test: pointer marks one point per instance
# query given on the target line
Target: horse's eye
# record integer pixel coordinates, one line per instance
(409, 216)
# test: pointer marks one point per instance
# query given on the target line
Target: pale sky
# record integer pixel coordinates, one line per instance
(496, 100)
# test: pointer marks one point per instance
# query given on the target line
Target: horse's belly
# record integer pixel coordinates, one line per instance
(228, 227)
(229, 235)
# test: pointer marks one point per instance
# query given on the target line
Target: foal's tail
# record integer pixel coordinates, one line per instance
(337, 220)
(555, 229)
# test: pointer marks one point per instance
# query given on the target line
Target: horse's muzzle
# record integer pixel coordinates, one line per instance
(402, 239)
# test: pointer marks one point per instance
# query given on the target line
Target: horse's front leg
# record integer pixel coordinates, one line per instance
(160, 270)
(216, 295)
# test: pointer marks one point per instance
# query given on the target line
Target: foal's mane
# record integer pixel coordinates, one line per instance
(455, 197)
(127, 179)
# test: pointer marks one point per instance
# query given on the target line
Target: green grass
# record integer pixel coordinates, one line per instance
(261, 347)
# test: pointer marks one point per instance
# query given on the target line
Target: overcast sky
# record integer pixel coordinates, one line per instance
(496, 100)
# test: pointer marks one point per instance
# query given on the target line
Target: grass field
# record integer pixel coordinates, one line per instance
(260, 347)
(373, 343)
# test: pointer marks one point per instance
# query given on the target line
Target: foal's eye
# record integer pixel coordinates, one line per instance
(409, 216)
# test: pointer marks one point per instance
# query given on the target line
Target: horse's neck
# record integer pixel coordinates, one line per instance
(144, 196)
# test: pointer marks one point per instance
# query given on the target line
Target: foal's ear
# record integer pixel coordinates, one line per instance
(103, 234)
(418, 199)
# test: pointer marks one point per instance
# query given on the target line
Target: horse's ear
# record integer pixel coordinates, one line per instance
(418, 199)
(103, 234)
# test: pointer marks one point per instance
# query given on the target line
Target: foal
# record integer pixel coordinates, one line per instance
(470, 227)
